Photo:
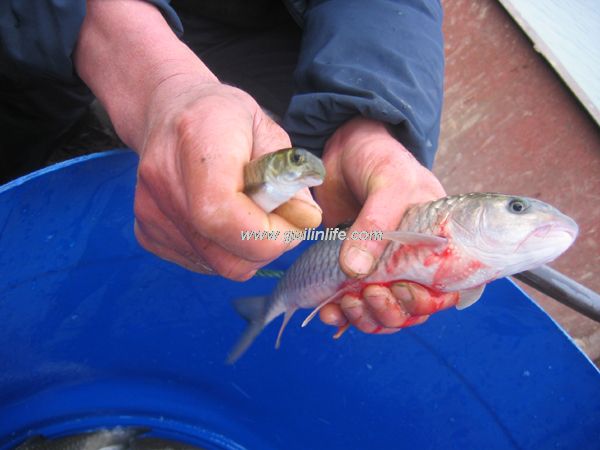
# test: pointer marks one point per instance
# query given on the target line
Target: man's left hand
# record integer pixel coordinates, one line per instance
(372, 179)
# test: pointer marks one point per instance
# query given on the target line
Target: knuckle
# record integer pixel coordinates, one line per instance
(144, 240)
(141, 209)
(210, 213)
(149, 173)
(236, 271)
(393, 320)
(186, 123)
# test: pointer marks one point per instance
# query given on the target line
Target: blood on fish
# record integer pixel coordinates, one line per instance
(400, 257)
(437, 257)
(455, 268)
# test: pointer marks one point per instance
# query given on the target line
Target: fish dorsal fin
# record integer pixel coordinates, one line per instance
(469, 296)
(412, 238)
(288, 315)
(314, 312)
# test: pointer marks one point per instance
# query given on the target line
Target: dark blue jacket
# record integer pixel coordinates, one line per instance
(381, 59)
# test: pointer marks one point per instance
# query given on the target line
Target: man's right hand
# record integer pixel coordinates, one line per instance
(189, 204)
(193, 134)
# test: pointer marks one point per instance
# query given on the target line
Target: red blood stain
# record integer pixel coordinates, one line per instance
(411, 321)
(453, 268)
(400, 257)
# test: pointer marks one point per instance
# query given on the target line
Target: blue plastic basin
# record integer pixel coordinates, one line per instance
(97, 332)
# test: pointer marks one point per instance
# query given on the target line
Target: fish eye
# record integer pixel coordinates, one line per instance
(517, 205)
(297, 158)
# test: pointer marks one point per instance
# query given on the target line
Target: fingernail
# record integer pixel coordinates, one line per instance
(304, 196)
(377, 301)
(332, 319)
(359, 261)
(402, 292)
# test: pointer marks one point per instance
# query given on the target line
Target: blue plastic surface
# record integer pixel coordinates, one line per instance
(96, 332)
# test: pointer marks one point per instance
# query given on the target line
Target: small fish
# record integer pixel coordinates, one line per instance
(454, 244)
(274, 178)
(118, 438)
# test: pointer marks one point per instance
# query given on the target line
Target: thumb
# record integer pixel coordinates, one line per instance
(301, 210)
(381, 212)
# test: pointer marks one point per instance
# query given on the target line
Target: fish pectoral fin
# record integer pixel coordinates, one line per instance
(412, 238)
(288, 315)
(469, 296)
(315, 311)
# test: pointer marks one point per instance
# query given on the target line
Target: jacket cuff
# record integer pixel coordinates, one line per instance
(380, 59)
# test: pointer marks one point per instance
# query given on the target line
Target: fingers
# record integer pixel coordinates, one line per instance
(159, 235)
(385, 310)
(358, 257)
(213, 154)
(168, 253)
(383, 178)
(268, 136)
(301, 210)
(331, 314)
(382, 310)
(338, 203)
(382, 210)
(190, 205)
(417, 300)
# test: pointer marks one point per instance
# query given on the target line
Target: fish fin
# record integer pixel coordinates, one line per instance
(254, 310)
(469, 296)
(288, 315)
(314, 312)
(411, 238)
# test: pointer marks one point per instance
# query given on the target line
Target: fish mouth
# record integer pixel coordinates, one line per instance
(314, 179)
(557, 235)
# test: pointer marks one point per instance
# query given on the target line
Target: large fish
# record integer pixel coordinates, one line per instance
(276, 177)
(454, 244)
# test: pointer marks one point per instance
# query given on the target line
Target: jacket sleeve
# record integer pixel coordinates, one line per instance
(382, 59)
(39, 37)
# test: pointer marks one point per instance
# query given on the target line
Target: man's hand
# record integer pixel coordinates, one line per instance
(193, 134)
(189, 203)
(371, 180)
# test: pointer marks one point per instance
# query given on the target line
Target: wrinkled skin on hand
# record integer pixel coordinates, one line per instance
(189, 200)
(371, 180)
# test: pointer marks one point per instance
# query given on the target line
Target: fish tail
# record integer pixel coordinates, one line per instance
(255, 311)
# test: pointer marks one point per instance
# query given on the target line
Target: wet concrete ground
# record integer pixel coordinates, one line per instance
(511, 125)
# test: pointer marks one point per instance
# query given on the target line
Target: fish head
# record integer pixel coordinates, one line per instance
(511, 233)
(297, 167)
